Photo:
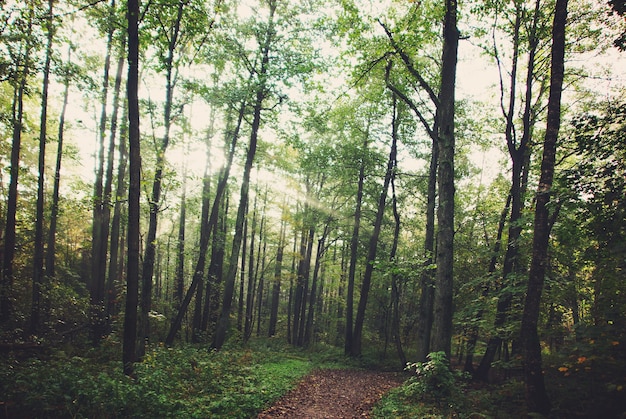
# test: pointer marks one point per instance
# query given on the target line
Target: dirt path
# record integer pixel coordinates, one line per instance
(334, 394)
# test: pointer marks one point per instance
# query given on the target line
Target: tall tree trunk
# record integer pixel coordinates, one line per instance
(278, 266)
(148, 259)
(313, 297)
(98, 238)
(129, 355)
(209, 226)
(302, 282)
(427, 275)
(373, 243)
(215, 270)
(290, 301)
(536, 396)
(179, 275)
(427, 283)
(242, 278)
(396, 292)
(354, 248)
(247, 331)
(441, 339)
(261, 92)
(54, 206)
(116, 260)
(17, 120)
(520, 155)
(108, 188)
(38, 258)
(261, 258)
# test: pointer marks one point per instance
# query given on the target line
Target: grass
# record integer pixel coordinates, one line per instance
(184, 382)
(240, 381)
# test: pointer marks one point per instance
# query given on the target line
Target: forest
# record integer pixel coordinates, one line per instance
(202, 201)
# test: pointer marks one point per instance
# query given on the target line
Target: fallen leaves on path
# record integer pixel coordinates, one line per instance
(334, 394)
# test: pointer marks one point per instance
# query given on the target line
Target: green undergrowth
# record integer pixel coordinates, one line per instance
(179, 382)
(585, 380)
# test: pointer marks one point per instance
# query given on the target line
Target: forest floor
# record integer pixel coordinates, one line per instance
(336, 394)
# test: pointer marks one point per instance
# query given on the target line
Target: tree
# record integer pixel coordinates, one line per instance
(277, 281)
(22, 69)
(100, 225)
(273, 65)
(536, 396)
(129, 355)
(373, 242)
(169, 36)
(520, 153)
(442, 311)
(69, 71)
(38, 258)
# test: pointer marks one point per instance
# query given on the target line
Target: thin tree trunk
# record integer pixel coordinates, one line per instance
(305, 275)
(54, 207)
(198, 273)
(313, 297)
(519, 154)
(278, 266)
(290, 301)
(98, 239)
(354, 247)
(242, 278)
(38, 258)
(251, 276)
(536, 395)
(105, 230)
(205, 232)
(116, 259)
(215, 271)
(395, 286)
(261, 269)
(357, 336)
(155, 199)
(427, 275)
(427, 294)
(129, 355)
(6, 284)
(223, 323)
(179, 275)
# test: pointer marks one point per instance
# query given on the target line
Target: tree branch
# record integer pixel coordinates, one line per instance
(411, 66)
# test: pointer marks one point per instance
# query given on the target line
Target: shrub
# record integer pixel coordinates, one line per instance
(434, 379)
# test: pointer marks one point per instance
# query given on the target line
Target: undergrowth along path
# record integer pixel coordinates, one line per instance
(334, 394)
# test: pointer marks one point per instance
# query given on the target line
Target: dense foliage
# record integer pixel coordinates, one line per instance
(170, 382)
